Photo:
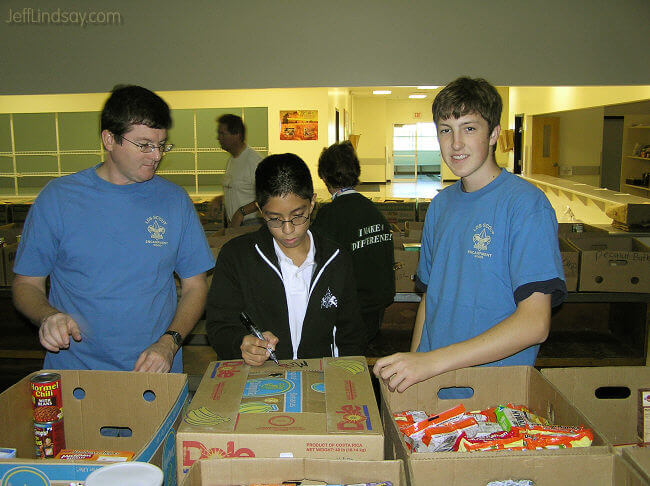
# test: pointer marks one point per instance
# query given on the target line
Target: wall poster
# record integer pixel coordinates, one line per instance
(299, 125)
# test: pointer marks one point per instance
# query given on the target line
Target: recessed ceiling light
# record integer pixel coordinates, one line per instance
(418, 96)
(381, 91)
(428, 87)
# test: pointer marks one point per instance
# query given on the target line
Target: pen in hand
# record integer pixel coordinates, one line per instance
(246, 321)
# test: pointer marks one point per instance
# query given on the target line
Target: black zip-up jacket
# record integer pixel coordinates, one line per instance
(247, 277)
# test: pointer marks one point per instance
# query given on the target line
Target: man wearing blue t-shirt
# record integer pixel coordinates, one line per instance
(110, 238)
(489, 256)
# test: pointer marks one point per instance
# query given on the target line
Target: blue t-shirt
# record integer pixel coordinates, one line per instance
(477, 249)
(111, 252)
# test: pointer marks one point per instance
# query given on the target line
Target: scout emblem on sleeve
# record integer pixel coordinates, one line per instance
(328, 300)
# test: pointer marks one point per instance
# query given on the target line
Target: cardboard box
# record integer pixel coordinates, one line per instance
(570, 264)
(413, 230)
(422, 208)
(545, 468)
(639, 457)
(233, 231)
(406, 267)
(149, 404)
(612, 264)
(396, 210)
(10, 233)
(490, 386)
(608, 396)
(214, 472)
(567, 229)
(316, 408)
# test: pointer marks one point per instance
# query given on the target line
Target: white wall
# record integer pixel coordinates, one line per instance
(207, 44)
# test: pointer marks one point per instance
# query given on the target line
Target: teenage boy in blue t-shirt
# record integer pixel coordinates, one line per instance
(489, 258)
(110, 239)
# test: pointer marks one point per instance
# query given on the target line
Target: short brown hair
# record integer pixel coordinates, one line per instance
(338, 165)
(467, 95)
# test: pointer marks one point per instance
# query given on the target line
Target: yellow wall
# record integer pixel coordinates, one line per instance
(275, 99)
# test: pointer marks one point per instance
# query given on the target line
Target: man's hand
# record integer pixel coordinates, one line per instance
(237, 219)
(401, 370)
(255, 351)
(215, 207)
(55, 331)
(157, 358)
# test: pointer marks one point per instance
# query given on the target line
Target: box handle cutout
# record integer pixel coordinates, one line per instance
(112, 431)
(149, 396)
(79, 393)
(455, 392)
(612, 392)
(617, 263)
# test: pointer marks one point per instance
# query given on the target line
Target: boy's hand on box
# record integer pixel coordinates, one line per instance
(55, 331)
(157, 358)
(401, 370)
(255, 351)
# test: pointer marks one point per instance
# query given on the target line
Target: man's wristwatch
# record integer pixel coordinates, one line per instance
(242, 211)
(176, 336)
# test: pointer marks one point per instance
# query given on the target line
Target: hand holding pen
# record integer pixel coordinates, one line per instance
(257, 347)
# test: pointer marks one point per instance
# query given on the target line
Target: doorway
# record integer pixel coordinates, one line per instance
(416, 152)
(519, 137)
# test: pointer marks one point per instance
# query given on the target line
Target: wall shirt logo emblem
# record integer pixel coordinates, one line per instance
(328, 300)
(481, 239)
(156, 227)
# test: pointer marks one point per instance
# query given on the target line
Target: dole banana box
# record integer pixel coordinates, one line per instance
(315, 408)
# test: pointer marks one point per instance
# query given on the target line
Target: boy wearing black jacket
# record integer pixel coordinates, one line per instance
(296, 286)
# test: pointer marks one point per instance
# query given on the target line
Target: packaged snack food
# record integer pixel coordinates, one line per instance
(409, 417)
(444, 437)
(517, 416)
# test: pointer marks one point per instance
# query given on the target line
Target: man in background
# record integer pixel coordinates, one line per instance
(239, 180)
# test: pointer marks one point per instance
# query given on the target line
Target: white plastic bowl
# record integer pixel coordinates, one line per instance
(126, 474)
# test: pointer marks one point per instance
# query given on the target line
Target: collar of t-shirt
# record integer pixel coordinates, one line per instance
(296, 282)
(343, 191)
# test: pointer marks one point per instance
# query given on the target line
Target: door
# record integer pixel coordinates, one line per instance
(545, 145)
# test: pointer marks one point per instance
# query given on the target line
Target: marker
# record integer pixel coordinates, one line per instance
(246, 321)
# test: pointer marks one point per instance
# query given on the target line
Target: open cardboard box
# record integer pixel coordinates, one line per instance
(406, 267)
(612, 263)
(491, 386)
(317, 408)
(570, 264)
(545, 468)
(149, 404)
(216, 472)
(639, 457)
(608, 396)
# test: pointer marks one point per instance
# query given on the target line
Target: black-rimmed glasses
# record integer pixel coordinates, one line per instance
(279, 223)
(147, 148)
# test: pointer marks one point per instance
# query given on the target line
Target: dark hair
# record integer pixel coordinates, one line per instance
(134, 105)
(466, 95)
(280, 175)
(338, 165)
(234, 124)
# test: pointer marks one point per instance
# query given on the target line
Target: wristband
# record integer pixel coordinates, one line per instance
(242, 211)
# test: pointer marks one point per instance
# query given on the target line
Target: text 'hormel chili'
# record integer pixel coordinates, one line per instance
(47, 397)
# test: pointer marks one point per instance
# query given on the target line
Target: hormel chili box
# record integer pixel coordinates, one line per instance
(143, 408)
(483, 387)
(316, 408)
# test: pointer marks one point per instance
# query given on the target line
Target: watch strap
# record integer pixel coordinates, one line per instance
(176, 336)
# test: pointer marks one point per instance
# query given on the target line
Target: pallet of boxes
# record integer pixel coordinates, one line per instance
(320, 412)
(58, 426)
(512, 425)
